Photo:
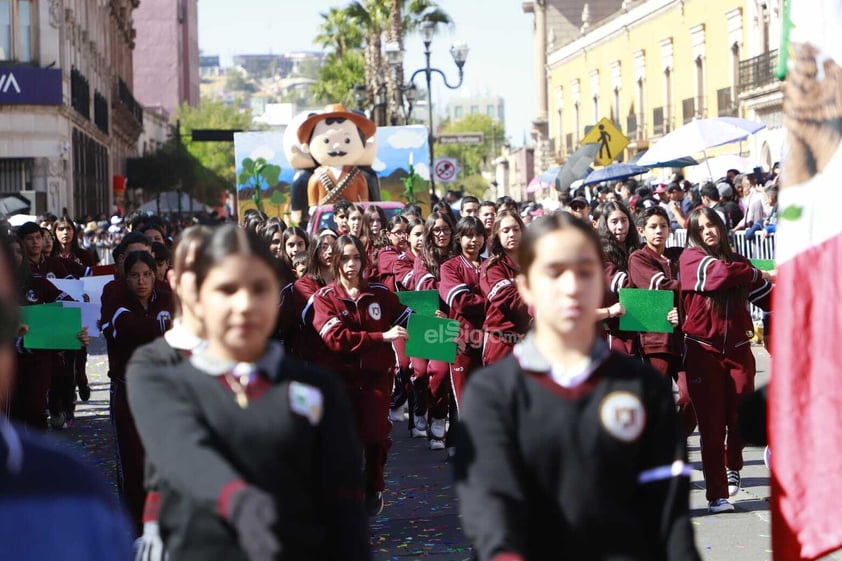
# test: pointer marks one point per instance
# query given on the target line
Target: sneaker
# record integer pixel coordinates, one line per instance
(398, 414)
(419, 428)
(436, 444)
(438, 428)
(733, 482)
(85, 393)
(720, 505)
(374, 503)
(58, 420)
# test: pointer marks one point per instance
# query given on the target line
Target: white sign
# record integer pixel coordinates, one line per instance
(445, 170)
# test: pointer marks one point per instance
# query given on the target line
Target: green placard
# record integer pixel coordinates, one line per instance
(432, 338)
(763, 264)
(424, 302)
(646, 310)
(52, 327)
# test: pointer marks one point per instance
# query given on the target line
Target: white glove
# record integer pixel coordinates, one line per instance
(149, 546)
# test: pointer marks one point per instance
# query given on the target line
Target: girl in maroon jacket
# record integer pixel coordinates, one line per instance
(619, 239)
(358, 322)
(655, 267)
(716, 287)
(296, 316)
(392, 242)
(461, 292)
(78, 263)
(373, 235)
(432, 377)
(141, 316)
(507, 316)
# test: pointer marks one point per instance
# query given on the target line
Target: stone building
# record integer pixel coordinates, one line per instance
(68, 118)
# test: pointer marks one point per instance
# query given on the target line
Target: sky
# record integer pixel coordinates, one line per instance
(499, 34)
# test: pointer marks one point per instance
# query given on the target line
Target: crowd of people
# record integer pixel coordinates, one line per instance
(257, 370)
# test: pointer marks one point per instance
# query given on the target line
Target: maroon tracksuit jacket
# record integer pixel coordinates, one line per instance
(131, 326)
(436, 371)
(77, 265)
(718, 360)
(507, 316)
(301, 339)
(35, 367)
(353, 330)
(650, 271)
(393, 266)
(664, 351)
(460, 290)
(616, 279)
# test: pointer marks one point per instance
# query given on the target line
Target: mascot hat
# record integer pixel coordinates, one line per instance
(336, 110)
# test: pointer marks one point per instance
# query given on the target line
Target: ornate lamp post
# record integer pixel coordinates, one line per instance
(394, 56)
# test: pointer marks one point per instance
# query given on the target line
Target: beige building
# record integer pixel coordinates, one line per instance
(653, 65)
(68, 118)
(513, 170)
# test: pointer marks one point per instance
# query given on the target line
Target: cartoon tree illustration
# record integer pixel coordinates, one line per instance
(409, 184)
(278, 199)
(259, 174)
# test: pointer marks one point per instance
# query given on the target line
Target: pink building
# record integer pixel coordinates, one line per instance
(166, 54)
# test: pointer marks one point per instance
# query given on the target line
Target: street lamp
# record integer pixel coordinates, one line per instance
(394, 56)
(361, 98)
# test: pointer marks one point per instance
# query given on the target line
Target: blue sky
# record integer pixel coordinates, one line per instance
(501, 60)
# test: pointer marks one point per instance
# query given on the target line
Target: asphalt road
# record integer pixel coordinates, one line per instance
(421, 519)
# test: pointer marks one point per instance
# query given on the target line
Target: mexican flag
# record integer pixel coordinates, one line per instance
(805, 392)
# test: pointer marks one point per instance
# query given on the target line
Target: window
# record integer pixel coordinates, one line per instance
(457, 112)
(474, 109)
(658, 120)
(491, 111)
(17, 39)
(688, 107)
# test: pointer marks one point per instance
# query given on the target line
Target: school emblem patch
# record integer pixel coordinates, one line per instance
(307, 401)
(31, 296)
(623, 416)
(374, 310)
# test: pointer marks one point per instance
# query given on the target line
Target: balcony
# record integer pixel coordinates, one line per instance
(757, 71)
(127, 100)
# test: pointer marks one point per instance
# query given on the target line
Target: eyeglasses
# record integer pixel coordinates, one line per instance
(578, 206)
(399, 233)
(441, 230)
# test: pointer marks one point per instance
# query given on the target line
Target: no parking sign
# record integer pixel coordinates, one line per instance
(445, 170)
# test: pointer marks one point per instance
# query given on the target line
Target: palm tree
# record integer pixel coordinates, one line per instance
(372, 16)
(337, 35)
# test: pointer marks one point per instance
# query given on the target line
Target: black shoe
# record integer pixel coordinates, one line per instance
(85, 393)
(374, 503)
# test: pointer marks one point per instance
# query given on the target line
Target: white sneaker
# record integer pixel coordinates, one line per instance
(720, 505)
(438, 427)
(436, 444)
(419, 430)
(399, 414)
(734, 481)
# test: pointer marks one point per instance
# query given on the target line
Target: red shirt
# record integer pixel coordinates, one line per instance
(353, 330)
(703, 276)
(505, 310)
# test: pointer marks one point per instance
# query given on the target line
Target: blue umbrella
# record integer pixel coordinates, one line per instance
(676, 163)
(614, 171)
(549, 175)
(576, 167)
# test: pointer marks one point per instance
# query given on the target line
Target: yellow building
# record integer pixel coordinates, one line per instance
(650, 68)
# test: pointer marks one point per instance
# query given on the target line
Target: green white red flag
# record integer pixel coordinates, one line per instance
(805, 392)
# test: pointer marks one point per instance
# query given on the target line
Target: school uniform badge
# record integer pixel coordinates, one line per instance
(622, 415)
(374, 311)
(307, 401)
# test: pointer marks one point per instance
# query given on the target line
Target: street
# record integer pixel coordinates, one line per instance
(421, 519)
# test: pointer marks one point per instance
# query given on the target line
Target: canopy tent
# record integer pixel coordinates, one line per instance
(173, 202)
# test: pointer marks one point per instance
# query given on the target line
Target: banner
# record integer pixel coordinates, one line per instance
(805, 419)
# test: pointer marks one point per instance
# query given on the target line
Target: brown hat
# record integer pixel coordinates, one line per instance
(336, 110)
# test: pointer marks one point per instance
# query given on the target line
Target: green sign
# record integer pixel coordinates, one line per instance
(424, 302)
(646, 310)
(52, 327)
(432, 338)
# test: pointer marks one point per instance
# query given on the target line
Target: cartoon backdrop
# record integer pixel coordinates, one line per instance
(264, 173)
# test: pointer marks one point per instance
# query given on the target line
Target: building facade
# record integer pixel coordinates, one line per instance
(491, 105)
(67, 115)
(166, 62)
(654, 65)
(513, 171)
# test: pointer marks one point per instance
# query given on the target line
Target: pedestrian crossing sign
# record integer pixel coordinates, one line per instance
(611, 141)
